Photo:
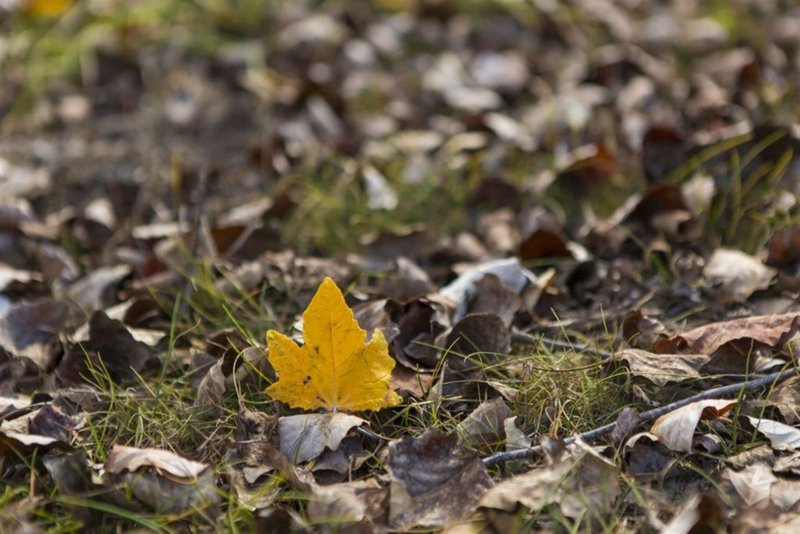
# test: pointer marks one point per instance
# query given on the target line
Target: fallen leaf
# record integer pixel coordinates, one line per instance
(380, 193)
(699, 513)
(786, 398)
(334, 466)
(646, 458)
(484, 335)
(347, 502)
(676, 429)
(70, 472)
(509, 271)
(48, 8)
(111, 346)
(498, 230)
(405, 280)
(783, 248)
(47, 421)
(492, 296)
(304, 437)
(581, 478)
(484, 427)
(95, 291)
(515, 438)
(334, 369)
(661, 369)
(734, 275)
(785, 493)
(420, 321)
(782, 437)
(771, 330)
(30, 329)
(131, 459)
(752, 483)
(641, 331)
(626, 422)
(663, 150)
(435, 481)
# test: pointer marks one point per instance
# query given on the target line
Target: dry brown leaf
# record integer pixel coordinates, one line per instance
(752, 483)
(676, 429)
(434, 480)
(492, 296)
(786, 397)
(122, 459)
(484, 427)
(662, 369)
(700, 512)
(782, 437)
(347, 502)
(29, 328)
(112, 347)
(580, 478)
(734, 275)
(173, 485)
(771, 330)
(304, 437)
(484, 335)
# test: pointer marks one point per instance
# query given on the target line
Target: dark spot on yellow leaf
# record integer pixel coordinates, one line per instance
(306, 380)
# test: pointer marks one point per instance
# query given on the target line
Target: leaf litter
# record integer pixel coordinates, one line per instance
(507, 225)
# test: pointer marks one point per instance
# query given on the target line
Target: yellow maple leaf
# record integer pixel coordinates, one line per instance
(334, 369)
(48, 8)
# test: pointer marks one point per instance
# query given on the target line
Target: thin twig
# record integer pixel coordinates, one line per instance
(649, 415)
(19, 412)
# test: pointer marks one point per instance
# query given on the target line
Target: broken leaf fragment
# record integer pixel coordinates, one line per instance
(334, 369)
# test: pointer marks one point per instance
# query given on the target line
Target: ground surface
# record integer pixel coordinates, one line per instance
(560, 215)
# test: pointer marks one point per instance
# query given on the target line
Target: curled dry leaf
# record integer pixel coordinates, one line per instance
(783, 247)
(734, 275)
(515, 438)
(676, 429)
(233, 367)
(70, 472)
(123, 458)
(509, 271)
(176, 484)
(786, 398)
(304, 437)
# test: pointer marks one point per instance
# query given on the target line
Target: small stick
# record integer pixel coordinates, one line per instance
(649, 415)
